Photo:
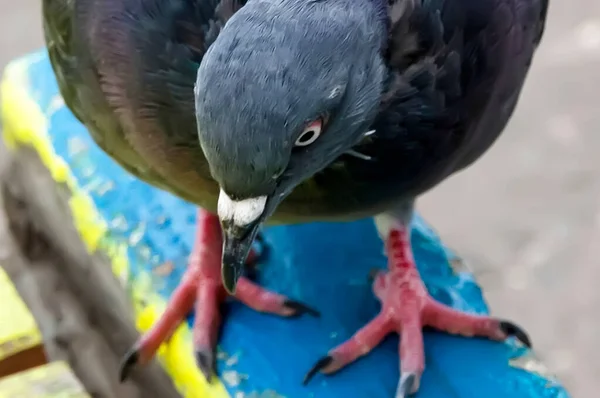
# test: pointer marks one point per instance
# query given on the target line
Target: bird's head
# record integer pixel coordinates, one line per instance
(283, 91)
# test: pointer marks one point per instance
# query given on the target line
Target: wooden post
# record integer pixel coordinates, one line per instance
(81, 308)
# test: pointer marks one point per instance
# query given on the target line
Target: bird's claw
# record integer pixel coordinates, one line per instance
(407, 385)
(128, 362)
(317, 367)
(205, 360)
(300, 308)
(512, 330)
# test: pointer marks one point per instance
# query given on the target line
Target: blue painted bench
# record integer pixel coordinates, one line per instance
(147, 234)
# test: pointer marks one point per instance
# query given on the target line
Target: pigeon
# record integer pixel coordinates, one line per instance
(269, 112)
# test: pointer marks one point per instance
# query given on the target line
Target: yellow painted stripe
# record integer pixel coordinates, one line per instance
(24, 123)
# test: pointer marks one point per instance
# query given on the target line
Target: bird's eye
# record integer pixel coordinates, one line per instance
(310, 133)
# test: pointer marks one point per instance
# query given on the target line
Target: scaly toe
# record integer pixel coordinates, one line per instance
(513, 330)
(317, 367)
(128, 362)
(300, 308)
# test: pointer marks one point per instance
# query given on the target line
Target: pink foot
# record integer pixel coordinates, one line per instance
(201, 289)
(406, 309)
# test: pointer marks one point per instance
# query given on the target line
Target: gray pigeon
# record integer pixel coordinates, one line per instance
(292, 111)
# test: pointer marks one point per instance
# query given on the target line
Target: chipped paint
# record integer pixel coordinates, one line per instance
(532, 364)
(459, 265)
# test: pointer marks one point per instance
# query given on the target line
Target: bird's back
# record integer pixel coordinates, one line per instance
(127, 69)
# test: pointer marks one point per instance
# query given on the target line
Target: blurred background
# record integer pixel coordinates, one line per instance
(526, 217)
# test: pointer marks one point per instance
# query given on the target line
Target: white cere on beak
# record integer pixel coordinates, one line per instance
(240, 212)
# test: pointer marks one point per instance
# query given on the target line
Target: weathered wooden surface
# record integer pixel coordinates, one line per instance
(80, 307)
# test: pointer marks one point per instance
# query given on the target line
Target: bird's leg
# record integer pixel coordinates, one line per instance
(201, 289)
(406, 309)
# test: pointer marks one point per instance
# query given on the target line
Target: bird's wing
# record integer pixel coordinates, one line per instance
(544, 4)
(128, 68)
(452, 64)
(58, 19)
(423, 32)
(79, 87)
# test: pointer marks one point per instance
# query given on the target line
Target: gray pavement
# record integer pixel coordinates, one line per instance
(527, 216)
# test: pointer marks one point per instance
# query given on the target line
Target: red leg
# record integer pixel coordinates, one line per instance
(201, 288)
(406, 308)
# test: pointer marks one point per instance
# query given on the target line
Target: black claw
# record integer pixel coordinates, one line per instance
(130, 359)
(513, 330)
(321, 363)
(406, 385)
(206, 362)
(301, 308)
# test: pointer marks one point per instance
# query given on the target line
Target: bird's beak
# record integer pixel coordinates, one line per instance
(237, 242)
(240, 221)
